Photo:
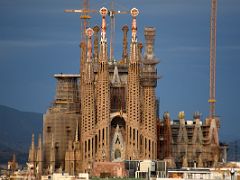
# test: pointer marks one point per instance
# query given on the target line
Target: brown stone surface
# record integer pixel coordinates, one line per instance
(112, 169)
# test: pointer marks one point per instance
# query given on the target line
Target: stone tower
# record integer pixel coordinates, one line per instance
(88, 114)
(133, 95)
(149, 83)
(39, 157)
(32, 152)
(60, 120)
(103, 97)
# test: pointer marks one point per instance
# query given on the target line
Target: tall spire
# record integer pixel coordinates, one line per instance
(32, 144)
(89, 76)
(39, 160)
(89, 33)
(125, 43)
(134, 48)
(103, 11)
(95, 54)
(83, 57)
(149, 83)
(103, 48)
(88, 107)
(134, 13)
(31, 155)
(40, 141)
(102, 95)
(133, 95)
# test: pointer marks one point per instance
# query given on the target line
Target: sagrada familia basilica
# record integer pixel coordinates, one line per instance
(108, 113)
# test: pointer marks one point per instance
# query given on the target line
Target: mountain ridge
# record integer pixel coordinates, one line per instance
(16, 128)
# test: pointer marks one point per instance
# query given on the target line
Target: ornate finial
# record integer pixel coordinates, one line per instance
(125, 28)
(166, 115)
(96, 29)
(197, 115)
(181, 115)
(134, 12)
(89, 32)
(103, 11)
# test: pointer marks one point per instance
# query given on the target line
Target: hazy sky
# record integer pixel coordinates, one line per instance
(37, 40)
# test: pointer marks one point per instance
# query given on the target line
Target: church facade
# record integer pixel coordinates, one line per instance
(109, 112)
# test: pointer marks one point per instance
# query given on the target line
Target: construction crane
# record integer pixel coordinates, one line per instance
(212, 87)
(112, 14)
(84, 16)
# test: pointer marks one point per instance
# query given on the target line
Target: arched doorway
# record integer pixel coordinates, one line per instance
(118, 138)
(118, 120)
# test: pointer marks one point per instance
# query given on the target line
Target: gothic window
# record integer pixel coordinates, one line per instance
(149, 145)
(96, 143)
(89, 143)
(130, 132)
(103, 134)
(133, 134)
(141, 140)
(107, 134)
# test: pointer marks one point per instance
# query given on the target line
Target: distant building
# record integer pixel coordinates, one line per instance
(189, 143)
(13, 164)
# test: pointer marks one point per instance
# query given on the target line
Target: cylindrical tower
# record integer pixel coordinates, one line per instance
(88, 107)
(149, 83)
(125, 44)
(103, 97)
(133, 95)
(95, 52)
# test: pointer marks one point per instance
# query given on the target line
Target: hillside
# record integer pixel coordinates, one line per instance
(16, 128)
